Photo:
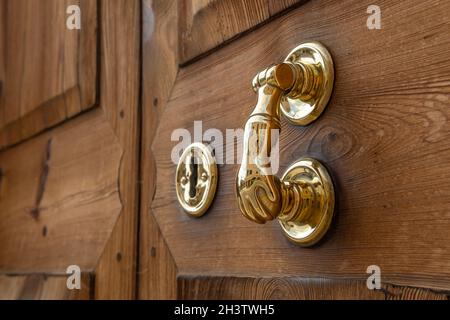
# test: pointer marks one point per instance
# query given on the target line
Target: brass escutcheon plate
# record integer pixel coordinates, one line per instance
(196, 179)
(304, 109)
(317, 202)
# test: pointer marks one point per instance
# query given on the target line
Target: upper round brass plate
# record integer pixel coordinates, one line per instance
(317, 202)
(305, 109)
(196, 179)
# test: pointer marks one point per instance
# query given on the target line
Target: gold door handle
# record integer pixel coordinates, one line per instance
(303, 200)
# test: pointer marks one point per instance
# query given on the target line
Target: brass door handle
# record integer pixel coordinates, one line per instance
(303, 200)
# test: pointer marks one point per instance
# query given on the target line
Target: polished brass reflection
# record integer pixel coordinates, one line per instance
(196, 179)
(303, 200)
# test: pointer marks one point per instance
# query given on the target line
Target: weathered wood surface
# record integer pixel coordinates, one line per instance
(206, 24)
(48, 73)
(385, 137)
(56, 207)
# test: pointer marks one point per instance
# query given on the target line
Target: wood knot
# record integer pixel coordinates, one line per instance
(119, 256)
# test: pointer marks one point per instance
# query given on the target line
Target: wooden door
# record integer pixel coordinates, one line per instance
(86, 176)
(384, 136)
(68, 138)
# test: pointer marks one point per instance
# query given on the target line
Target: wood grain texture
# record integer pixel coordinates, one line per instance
(232, 288)
(393, 292)
(115, 274)
(384, 136)
(237, 288)
(49, 72)
(2, 46)
(205, 24)
(43, 287)
(56, 207)
(157, 271)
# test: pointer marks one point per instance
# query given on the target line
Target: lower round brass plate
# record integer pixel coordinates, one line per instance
(196, 179)
(318, 197)
(304, 110)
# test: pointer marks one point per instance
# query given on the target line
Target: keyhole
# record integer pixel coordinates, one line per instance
(194, 177)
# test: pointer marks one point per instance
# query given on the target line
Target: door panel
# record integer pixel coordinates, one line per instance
(68, 194)
(383, 137)
(57, 66)
(205, 24)
(58, 197)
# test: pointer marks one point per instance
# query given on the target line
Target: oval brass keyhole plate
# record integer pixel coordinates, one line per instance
(196, 179)
(311, 102)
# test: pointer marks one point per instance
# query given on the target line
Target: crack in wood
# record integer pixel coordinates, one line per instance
(1, 176)
(35, 211)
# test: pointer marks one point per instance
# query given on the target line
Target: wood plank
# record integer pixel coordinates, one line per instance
(56, 207)
(43, 287)
(2, 47)
(120, 81)
(157, 270)
(245, 288)
(393, 292)
(295, 288)
(206, 24)
(385, 137)
(49, 71)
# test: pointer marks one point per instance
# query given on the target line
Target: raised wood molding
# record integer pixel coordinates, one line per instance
(115, 274)
(157, 270)
(206, 24)
(48, 73)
